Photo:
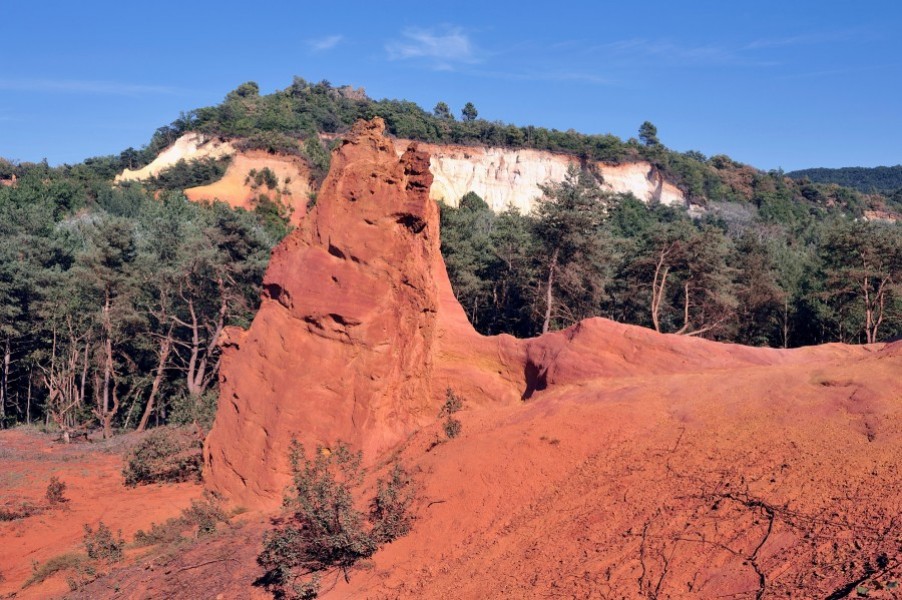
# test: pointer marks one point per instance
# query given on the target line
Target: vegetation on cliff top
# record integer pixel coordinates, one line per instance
(882, 180)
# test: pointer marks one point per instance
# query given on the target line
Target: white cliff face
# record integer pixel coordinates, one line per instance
(502, 177)
(191, 146)
(505, 177)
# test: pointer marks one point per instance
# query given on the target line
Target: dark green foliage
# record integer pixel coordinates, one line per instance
(452, 427)
(324, 531)
(575, 250)
(17, 511)
(102, 544)
(204, 515)
(56, 491)
(884, 180)
(184, 174)
(441, 111)
(270, 141)
(263, 177)
(389, 508)
(166, 455)
(648, 134)
(786, 274)
(194, 410)
(319, 158)
(469, 113)
(91, 272)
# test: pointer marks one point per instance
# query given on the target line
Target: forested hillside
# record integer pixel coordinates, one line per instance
(293, 120)
(738, 274)
(883, 180)
(112, 297)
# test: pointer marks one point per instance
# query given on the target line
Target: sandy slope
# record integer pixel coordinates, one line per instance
(237, 191)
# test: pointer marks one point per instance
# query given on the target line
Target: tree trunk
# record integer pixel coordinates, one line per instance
(28, 401)
(549, 292)
(165, 348)
(685, 326)
(4, 384)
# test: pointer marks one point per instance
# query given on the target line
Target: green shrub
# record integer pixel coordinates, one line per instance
(389, 507)
(324, 531)
(102, 544)
(22, 510)
(71, 561)
(167, 454)
(169, 532)
(186, 174)
(195, 410)
(55, 493)
(270, 141)
(202, 518)
(204, 515)
(452, 427)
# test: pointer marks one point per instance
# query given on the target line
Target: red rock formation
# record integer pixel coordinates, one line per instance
(643, 465)
(356, 308)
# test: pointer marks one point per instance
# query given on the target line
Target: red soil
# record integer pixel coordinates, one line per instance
(94, 486)
(639, 465)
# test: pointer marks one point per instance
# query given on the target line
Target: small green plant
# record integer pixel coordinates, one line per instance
(453, 403)
(204, 515)
(102, 544)
(55, 493)
(201, 518)
(167, 454)
(71, 561)
(22, 510)
(324, 531)
(389, 507)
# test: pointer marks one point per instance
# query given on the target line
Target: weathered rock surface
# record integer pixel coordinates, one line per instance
(356, 312)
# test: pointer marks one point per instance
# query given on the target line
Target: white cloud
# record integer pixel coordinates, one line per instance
(81, 86)
(325, 43)
(442, 48)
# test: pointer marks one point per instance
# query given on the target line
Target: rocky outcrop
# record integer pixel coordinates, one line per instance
(356, 314)
(510, 177)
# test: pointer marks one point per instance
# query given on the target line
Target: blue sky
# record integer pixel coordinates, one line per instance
(774, 84)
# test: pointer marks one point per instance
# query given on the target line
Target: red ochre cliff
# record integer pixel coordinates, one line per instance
(358, 334)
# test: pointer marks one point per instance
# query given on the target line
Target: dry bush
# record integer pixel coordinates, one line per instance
(55, 493)
(71, 561)
(166, 455)
(102, 544)
(201, 519)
